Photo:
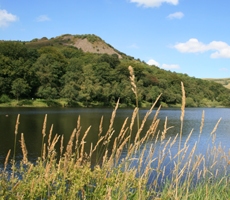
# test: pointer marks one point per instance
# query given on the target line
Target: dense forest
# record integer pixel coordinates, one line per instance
(51, 70)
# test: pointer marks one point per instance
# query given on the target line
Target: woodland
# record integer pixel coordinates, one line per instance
(49, 69)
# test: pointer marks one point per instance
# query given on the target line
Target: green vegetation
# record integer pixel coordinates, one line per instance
(223, 81)
(52, 69)
(72, 172)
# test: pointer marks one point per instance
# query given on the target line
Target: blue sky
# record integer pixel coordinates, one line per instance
(185, 36)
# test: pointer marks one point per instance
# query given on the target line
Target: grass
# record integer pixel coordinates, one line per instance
(35, 103)
(150, 169)
(223, 81)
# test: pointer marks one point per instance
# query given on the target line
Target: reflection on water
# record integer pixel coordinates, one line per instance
(64, 121)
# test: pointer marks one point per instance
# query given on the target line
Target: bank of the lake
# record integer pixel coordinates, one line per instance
(64, 103)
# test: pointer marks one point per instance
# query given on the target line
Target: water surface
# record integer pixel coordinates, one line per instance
(64, 121)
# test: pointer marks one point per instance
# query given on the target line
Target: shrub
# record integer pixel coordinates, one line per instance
(4, 99)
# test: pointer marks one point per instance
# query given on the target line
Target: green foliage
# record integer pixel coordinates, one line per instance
(19, 87)
(90, 37)
(13, 50)
(52, 70)
(4, 98)
(190, 102)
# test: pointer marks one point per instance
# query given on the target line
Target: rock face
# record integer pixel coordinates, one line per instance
(89, 43)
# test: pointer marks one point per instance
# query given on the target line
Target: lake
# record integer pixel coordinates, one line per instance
(64, 121)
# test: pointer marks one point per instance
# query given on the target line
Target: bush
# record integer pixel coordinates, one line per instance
(190, 102)
(27, 102)
(52, 103)
(4, 99)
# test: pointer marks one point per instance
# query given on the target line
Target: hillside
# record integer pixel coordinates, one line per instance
(83, 70)
(223, 81)
(87, 43)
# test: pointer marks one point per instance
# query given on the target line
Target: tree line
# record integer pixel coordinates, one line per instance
(82, 78)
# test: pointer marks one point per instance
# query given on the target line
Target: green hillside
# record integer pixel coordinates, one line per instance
(83, 70)
(223, 81)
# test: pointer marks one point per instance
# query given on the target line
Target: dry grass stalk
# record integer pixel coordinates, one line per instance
(145, 118)
(134, 115)
(165, 129)
(100, 127)
(123, 130)
(174, 141)
(149, 158)
(7, 159)
(157, 112)
(110, 130)
(158, 133)
(185, 151)
(50, 135)
(181, 173)
(132, 80)
(61, 146)
(43, 133)
(200, 158)
(54, 142)
(114, 149)
(141, 156)
(179, 153)
(77, 138)
(190, 134)
(44, 126)
(119, 150)
(192, 151)
(69, 147)
(134, 89)
(78, 122)
(105, 158)
(83, 144)
(108, 137)
(151, 131)
(183, 102)
(17, 124)
(202, 122)
(44, 152)
(165, 146)
(24, 150)
(215, 128)
(96, 146)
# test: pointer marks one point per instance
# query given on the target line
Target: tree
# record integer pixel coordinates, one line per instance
(70, 91)
(47, 92)
(19, 87)
(49, 69)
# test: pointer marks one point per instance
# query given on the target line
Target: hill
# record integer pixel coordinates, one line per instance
(87, 43)
(83, 70)
(223, 81)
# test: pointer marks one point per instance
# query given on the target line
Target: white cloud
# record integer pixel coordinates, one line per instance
(224, 69)
(163, 66)
(43, 18)
(172, 66)
(153, 62)
(133, 46)
(221, 49)
(176, 15)
(153, 3)
(6, 18)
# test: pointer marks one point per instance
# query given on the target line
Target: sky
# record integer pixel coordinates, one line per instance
(184, 36)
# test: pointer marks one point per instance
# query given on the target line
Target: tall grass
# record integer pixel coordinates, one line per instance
(149, 168)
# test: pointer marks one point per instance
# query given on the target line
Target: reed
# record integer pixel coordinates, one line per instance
(150, 169)
(134, 89)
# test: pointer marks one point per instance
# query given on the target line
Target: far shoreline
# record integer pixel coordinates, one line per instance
(63, 103)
